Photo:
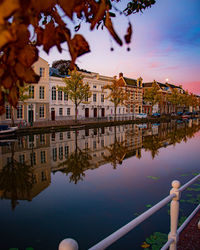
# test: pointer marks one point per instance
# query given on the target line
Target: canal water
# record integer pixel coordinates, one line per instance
(85, 184)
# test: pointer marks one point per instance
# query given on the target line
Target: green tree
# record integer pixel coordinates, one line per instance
(175, 98)
(152, 94)
(117, 94)
(76, 89)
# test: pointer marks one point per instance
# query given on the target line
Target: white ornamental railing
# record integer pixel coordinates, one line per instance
(174, 196)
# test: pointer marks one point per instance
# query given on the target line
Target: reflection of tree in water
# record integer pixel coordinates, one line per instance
(117, 152)
(176, 135)
(15, 179)
(76, 163)
(152, 143)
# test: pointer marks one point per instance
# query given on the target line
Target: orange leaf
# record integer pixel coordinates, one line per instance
(6, 36)
(7, 8)
(30, 76)
(7, 82)
(28, 55)
(78, 46)
(127, 37)
(67, 6)
(109, 26)
(12, 97)
(42, 5)
(100, 13)
(49, 36)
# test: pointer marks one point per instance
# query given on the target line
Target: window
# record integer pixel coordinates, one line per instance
(94, 97)
(43, 156)
(42, 139)
(61, 136)
(33, 158)
(43, 176)
(42, 111)
(54, 152)
(8, 112)
(31, 92)
(102, 143)
(60, 95)
(68, 135)
(119, 110)
(60, 153)
(53, 93)
(42, 71)
(60, 111)
(86, 98)
(21, 159)
(102, 98)
(19, 112)
(66, 151)
(94, 86)
(68, 111)
(41, 92)
(65, 96)
(94, 144)
(53, 136)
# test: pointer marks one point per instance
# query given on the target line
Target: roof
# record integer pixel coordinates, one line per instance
(130, 82)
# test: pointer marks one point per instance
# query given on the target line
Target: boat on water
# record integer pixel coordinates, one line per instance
(6, 130)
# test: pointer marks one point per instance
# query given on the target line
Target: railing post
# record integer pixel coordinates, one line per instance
(174, 212)
(68, 244)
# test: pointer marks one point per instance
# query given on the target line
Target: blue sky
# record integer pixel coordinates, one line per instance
(165, 45)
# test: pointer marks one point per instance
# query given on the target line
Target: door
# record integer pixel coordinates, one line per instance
(95, 112)
(53, 115)
(86, 112)
(30, 116)
(103, 112)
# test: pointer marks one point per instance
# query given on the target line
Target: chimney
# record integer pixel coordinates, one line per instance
(120, 74)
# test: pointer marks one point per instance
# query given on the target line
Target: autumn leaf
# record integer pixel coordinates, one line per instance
(13, 98)
(100, 13)
(109, 26)
(28, 55)
(145, 245)
(68, 6)
(78, 46)
(7, 82)
(43, 6)
(5, 36)
(127, 37)
(7, 8)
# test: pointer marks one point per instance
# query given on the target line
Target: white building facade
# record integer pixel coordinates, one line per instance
(97, 106)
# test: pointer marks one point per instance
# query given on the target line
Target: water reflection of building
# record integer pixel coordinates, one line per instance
(74, 152)
(95, 141)
(33, 152)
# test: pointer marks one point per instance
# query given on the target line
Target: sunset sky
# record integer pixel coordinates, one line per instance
(165, 45)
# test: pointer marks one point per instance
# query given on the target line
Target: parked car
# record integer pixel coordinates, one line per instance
(155, 115)
(141, 115)
(179, 113)
(186, 115)
(174, 114)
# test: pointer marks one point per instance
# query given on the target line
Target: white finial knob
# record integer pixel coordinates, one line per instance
(176, 184)
(68, 244)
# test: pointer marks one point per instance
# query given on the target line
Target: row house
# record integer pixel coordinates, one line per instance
(36, 108)
(97, 106)
(163, 107)
(135, 90)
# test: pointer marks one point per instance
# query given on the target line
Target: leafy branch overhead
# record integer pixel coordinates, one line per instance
(25, 25)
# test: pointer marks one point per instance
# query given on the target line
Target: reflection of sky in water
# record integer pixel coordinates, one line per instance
(105, 200)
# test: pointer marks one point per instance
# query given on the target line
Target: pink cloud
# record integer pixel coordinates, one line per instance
(154, 65)
(193, 87)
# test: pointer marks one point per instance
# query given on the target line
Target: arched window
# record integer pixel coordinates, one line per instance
(53, 93)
